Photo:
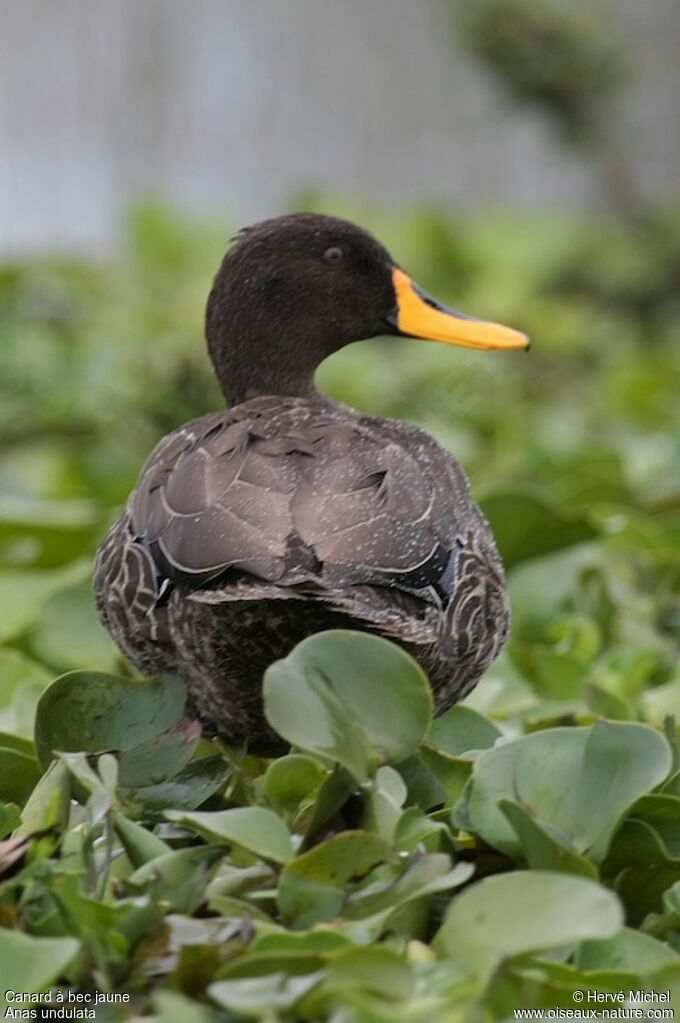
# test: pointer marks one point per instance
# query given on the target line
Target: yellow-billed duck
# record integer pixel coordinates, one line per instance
(290, 513)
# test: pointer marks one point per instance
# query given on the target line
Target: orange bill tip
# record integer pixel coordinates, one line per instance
(420, 316)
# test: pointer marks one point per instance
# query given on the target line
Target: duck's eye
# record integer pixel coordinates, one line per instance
(333, 255)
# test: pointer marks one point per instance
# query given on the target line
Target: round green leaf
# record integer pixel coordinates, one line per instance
(68, 633)
(357, 699)
(32, 964)
(291, 779)
(525, 911)
(90, 711)
(526, 526)
(581, 780)
(22, 594)
(19, 775)
(461, 729)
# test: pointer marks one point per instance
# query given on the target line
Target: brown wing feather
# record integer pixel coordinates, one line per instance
(262, 488)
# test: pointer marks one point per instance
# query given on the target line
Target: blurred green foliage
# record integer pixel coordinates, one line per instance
(327, 882)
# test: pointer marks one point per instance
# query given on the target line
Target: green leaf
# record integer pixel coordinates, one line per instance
(93, 712)
(19, 774)
(57, 530)
(161, 757)
(422, 875)
(10, 816)
(21, 683)
(312, 887)
(251, 827)
(175, 1008)
(544, 847)
(317, 942)
(292, 779)
(16, 669)
(385, 800)
(526, 911)
(140, 844)
(69, 635)
(256, 997)
(30, 964)
(628, 951)
(23, 594)
(354, 698)
(579, 780)
(177, 877)
(527, 526)
(188, 789)
(48, 804)
(379, 971)
(460, 730)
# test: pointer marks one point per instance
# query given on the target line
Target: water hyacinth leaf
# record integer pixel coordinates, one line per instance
(662, 812)
(526, 911)
(140, 844)
(461, 729)
(258, 997)
(178, 878)
(423, 875)
(580, 780)
(15, 670)
(23, 594)
(414, 828)
(312, 886)
(333, 793)
(450, 773)
(385, 799)
(31, 964)
(318, 942)
(19, 774)
(256, 964)
(162, 757)
(629, 951)
(48, 805)
(56, 530)
(17, 743)
(541, 586)
(175, 866)
(644, 858)
(379, 971)
(356, 699)
(544, 846)
(92, 712)
(254, 828)
(186, 790)
(526, 526)
(10, 816)
(69, 635)
(292, 779)
(175, 1008)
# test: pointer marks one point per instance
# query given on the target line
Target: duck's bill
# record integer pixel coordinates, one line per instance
(417, 315)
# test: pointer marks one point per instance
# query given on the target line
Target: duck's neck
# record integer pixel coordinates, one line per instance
(246, 370)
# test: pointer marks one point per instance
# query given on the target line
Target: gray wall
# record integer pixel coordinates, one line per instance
(231, 105)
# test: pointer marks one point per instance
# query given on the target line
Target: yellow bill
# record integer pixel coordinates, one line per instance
(419, 316)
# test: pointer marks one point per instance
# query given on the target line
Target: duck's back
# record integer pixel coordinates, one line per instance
(253, 527)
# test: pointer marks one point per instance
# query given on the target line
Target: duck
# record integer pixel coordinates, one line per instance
(288, 513)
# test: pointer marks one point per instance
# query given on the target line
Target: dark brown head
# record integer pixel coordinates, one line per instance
(292, 290)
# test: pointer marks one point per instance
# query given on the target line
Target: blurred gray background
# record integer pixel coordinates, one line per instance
(237, 105)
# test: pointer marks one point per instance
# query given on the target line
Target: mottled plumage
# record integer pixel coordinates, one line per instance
(289, 513)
